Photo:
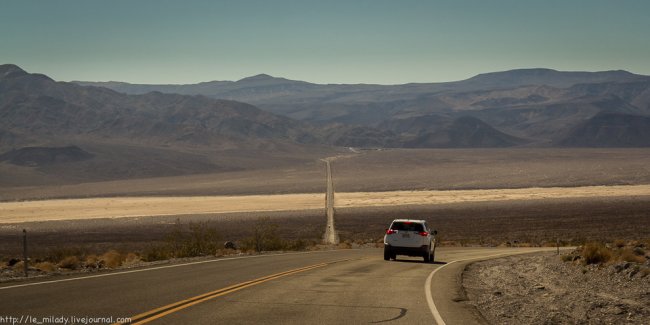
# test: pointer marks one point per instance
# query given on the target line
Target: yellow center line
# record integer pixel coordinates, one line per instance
(157, 313)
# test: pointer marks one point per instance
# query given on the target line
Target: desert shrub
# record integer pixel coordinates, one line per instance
(225, 252)
(577, 241)
(265, 237)
(58, 254)
(620, 243)
(92, 261)
(111, 259)
(69, 262)
(644, 271)
(628, 255)
(298, 244)
(346, 244)
(636, 243)
(131, 259)
(595, 253)
(549, 243)
(18, 266)
(639, 251)
(157, 253)
(198, 239)
(567, 258)
(45, 267)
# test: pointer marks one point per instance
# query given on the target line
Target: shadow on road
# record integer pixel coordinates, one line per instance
(420, 262)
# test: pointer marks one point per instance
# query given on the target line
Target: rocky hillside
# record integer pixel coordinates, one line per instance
(37, 110)
(610, 130)
(43, 156)
(435, 131)
(34, 107)
(58, 132)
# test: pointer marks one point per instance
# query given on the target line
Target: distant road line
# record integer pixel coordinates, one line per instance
(330, 237)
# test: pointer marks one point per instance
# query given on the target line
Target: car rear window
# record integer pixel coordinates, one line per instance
(407, 226)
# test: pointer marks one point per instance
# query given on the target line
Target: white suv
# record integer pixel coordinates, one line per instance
(410, 237)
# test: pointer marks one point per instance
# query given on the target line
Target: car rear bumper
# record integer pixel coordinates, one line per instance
(410, 251)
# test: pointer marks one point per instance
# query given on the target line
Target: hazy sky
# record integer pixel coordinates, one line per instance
(323, 41)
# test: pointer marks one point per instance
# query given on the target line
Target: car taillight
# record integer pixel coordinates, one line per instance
(424, 233)
(390, 232)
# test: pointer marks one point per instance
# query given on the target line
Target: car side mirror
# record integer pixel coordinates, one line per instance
(435, 232)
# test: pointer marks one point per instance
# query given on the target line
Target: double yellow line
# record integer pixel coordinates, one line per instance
(154, 314)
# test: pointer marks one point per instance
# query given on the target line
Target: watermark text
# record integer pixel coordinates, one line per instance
(61, 320)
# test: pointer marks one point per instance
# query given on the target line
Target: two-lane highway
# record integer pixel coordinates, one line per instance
(327, 287)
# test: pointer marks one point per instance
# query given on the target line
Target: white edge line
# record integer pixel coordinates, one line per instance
(427, 283)
(427, 292)
(157, 268)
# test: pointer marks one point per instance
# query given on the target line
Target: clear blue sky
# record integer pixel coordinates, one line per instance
(372, 41)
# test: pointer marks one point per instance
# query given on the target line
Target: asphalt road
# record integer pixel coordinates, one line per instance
(331, 236)
(327, 287)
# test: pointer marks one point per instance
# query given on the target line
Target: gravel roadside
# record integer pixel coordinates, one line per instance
(542, 289)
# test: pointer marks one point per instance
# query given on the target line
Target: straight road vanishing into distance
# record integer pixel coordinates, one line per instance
(331, 236)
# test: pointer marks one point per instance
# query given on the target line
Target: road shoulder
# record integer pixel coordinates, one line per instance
(540, 288)
(447, 299)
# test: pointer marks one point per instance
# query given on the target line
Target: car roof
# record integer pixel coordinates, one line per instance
(408, 220)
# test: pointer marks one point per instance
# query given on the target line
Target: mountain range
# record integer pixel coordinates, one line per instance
(540, 106)
(131, 136)
(129, 130)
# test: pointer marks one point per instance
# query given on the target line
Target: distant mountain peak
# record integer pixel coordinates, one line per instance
(526, 71)
(7, 70)
(259, 77)
(552, 72)
(548, 77)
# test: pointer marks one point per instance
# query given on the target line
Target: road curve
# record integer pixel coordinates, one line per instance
(326, 287)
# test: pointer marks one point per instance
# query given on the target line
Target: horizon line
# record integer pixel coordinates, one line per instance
(329, 83)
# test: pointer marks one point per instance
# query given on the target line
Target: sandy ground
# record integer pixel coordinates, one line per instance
(76, 209)
(372, 199)
(541, 289)
(469, 169)
(369, 171)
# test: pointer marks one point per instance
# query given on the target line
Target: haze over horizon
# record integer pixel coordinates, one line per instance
(373, 42)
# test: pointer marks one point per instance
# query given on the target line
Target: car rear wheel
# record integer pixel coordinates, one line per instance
(387, 254)
(427, 257)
